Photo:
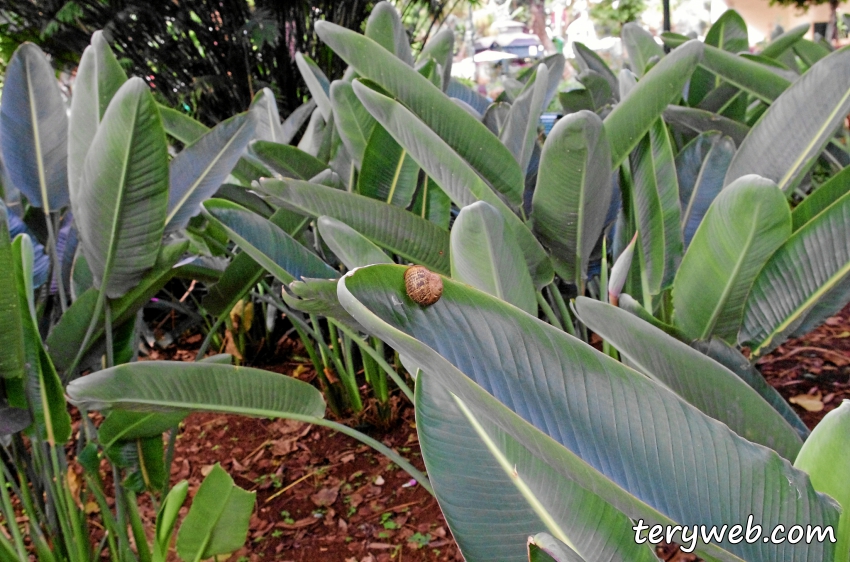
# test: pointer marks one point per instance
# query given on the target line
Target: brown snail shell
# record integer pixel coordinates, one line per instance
(423, 287)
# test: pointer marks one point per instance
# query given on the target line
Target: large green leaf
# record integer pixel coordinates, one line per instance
(34, 129)
(486, 256)
(66, 337)
(268, 127)
(641, 46)
(804, 282)
(431, 203)
(287, 160)
(633, 116)
(385, 28)
(655, 196)
(750, 76)
(821, 198)
(465, 134)
(268, 244)
(813, 108)
(388, 172)
(98, 78)
(440, 49)
(543, 547)
(391, 228)
(700, 167)
(124, 425)
(573, 191)
(352, 120)
(588, 60)
(745, 224)
(452, 173)
(123, 196)
(728, 33)
(496, 490)
(181, 126)
(317, 82)
(200, 169)
(701, 121)
(352, 248)
(12, 360)
(173, 386)
(520, 131)
(696, 378)
(217, 522)
(626, 438)
(785, 41)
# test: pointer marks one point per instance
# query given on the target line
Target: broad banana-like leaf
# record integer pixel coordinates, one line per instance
(813, 107)
(217, 522)
(466, 135)
(353, 122)
(496, 490)
(352, 248)
(809, 51)
(385, 28)
(318, 296)
(641, 46)
(655, 196)
(700, 167)
(821, 198)
(317, 83)
(388, 172)
(432, 203)
(200, 169)
(452, 173)
(295, 121)
(803, 283)
(750, 76)
(459, 91)
(589, 60)
(573, 191)
(785, 41)
(123, 194)
(574, 101)
(267, 127)
(394, 229)
(268, 244)
(124, 425)
(181, 126)
(822, 454)
(632, 118)
(34, 129)
(66, 337)
(601, 95)
(696, 378)
(440, 48)
(287, 160)
(735, 361)
(497, 115)
(486, 256)
(728, 33)
(98, 78)
(745, 224)
(628, 439)
(701, 121)
(171, 386)
(12, 360)
(520, 131)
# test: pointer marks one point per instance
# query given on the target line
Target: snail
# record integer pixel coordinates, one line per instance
(423, 287)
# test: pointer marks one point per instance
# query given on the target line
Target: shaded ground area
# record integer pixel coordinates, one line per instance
(323, 496)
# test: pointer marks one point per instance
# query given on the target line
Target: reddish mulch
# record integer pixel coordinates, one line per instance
(324, 496)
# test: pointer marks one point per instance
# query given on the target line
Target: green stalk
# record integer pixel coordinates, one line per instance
(106, 515)
(346, 373)
(169, 458)
(67, 505)
(9, 514)
(562, 307)
(107, 328)
(210, 335)
(547, 310)
(607, 348)
(138, 528)
(121, 513)
(379, 359)
(98, 308)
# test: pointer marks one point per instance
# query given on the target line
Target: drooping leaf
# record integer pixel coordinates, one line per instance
(744, 225)
(268, 244)
(700, 121)
(641, 47)
(813, 107)
(391, 228)
(803, 283)
(632, 118)
(486, 256)
(124, 191)
(700, 167)
(633, 442)
(699, 380)
(655, 192)
(98, 78)
(747, 75)
(34, 129)
(287, 160)
(200, 169)
(467, 136)
(352, 248)
(573, 190)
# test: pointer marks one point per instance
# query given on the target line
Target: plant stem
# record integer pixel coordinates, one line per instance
(562, 307)
(349, 380)
(56, 265)
(9, 514)
(98, 308)
(210, 334)
(379, 359)
(547, 310)
(107, 327)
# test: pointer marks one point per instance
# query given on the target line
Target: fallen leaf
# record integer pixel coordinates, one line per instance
(808, 402)
(325, 497)
(283, 447)
(379, 480)
(300, 524)
(205, 470)
(91, 507)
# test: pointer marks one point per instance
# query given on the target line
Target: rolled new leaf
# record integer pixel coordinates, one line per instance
(745, 224)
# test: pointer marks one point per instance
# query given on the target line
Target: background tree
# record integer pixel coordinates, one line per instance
(804, 5)
(208, 57)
